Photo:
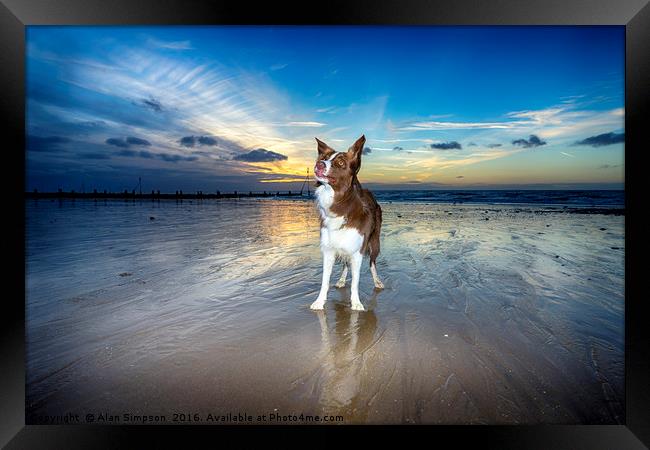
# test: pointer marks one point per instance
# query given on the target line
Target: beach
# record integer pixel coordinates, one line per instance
(491, 314)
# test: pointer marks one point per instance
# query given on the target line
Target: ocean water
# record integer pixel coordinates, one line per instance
(574, 198)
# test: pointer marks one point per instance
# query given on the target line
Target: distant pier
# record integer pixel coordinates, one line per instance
(157, 195)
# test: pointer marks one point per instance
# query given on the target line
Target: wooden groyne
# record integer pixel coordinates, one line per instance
(157, 195)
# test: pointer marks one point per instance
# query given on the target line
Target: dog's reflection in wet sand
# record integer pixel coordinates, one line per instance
(342, 354)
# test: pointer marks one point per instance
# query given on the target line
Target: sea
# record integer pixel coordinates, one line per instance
(570, 198)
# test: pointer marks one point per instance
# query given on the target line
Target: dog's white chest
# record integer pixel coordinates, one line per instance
(346, 241)
(334, 235)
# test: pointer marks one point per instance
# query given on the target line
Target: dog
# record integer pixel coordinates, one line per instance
(350, 219)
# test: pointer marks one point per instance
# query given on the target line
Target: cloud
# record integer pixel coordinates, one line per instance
(154, 95)
(128, 142)
(451, 160)
(84, 127)
(452, 145)
(134, 153)
(93, 156)
(206, 140)
(472, 144)
(397, 148)
(149, 155)
(366, 151)
(191, 141)
(494, 145)
(435, 125)
(602, 139)
(305, 124)
(117, 142)
(460, 176)
(568, 119)
(171, 45)
(260, 155)
(609, 166)
(152, 104)
(175, 158)
(278, 66)
(187, 141)
(45, 143)
(533, 141)
(137, 141)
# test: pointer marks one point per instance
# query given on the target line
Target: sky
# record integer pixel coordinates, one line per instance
(237, 108)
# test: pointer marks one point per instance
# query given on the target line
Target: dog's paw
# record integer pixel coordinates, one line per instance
(357, 307)
(317, 305)
(340, 284)
(379, 285)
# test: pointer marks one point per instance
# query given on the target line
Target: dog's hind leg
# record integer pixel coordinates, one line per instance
(375, 277)
(355, 267)
(344, 275)
(373, 251)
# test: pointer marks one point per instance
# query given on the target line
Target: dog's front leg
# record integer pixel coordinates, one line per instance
(328, 263)
(355, 268)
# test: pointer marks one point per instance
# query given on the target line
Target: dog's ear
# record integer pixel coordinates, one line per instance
(355, 151)
(323, 148)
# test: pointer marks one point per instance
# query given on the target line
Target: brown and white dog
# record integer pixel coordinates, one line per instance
(350, 219)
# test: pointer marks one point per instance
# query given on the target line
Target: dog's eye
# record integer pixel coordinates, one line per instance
(340, 163)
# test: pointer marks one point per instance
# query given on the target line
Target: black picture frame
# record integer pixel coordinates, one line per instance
(16, 14)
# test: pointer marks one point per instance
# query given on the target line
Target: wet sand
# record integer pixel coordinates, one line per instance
(491, 314)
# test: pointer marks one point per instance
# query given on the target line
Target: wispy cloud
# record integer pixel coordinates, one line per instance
(278, 66)
(144, 154)
(240, 108)
(45, 143)
(93, 156)
(304, 124)
(435, 125)
(558, 121)
(171, 45)
(443, 161)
